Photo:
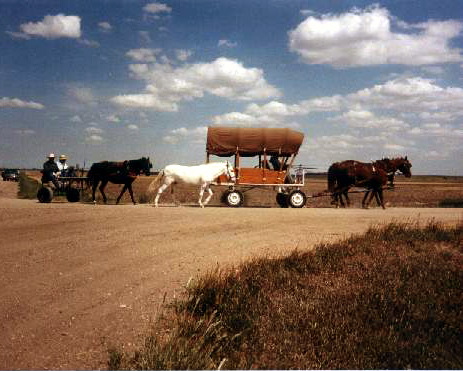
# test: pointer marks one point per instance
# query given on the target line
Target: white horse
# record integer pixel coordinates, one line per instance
(198, 175)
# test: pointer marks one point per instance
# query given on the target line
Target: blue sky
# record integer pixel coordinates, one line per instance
(121, 79)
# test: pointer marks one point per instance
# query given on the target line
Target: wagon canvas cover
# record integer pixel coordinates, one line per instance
(227, 141)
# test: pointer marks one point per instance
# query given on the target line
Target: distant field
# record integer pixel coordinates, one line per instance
(417, 191)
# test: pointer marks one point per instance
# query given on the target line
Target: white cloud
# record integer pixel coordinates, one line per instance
(94, 139)
(400, 101)
(333, 143)
(394, 147)
(367, 119)
(145, 36)
(53, 27)
(195, 135)
(18, 103)
(90, 43)
(433, 70)
(182, 54)
(365, 37)
(148, 101)
(437, 130)
(307, 12)
(156, 8)
(82, 95)
(75, 119)
(144, 55)
(274, 113)
(410, 95)
(105, 26)
(113, 118)
(25, 132)
(226, 43)
(167, 85)
(93, 130)
(93, 133)
(235, 119)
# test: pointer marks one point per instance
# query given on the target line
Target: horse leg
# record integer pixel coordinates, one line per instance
(160, 190)
(340, 193)
(364, 206)
(122, 192)
(208, 188)
(172, 193)
(378, 201)
(102, 187)
(129, 187)
(201, 192)
(346, 195)
(94, 185)
(380, 194)
(372, 194)
(334, 199)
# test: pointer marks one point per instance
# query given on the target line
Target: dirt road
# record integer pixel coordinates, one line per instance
(77, 279)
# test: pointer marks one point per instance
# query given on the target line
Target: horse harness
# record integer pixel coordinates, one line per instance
(123, 168)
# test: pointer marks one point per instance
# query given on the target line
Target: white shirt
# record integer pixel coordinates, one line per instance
(62, 167)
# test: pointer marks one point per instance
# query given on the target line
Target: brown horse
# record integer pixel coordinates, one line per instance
(374, 176)
(118, 173)
(344, 175)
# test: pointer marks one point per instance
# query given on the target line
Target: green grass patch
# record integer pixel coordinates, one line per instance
(389, 299)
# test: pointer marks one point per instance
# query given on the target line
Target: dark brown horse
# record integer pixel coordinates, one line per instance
(118, 173)
(372, 176)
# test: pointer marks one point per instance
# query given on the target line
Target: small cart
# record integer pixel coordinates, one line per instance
(71, 187)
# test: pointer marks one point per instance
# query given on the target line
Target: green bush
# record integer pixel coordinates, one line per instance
(390, 299)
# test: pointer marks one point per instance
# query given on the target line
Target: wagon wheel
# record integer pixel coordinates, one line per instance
(234, 198)
(45, 195)
(72, 194)
(282, 199)
(297, 199)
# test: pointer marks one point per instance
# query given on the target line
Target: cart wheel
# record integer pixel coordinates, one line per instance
(282, 199)
(73, 195)
(297, 199)
(234, 198)
(45, 195)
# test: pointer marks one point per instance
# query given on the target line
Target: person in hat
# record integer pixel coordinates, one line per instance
(63, 166)
(50, 170)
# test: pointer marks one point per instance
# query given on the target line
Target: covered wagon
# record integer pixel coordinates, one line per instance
(275, 149)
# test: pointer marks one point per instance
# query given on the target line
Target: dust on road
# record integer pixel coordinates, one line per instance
(77, 279)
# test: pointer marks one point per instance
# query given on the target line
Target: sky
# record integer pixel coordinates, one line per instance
(121, 79)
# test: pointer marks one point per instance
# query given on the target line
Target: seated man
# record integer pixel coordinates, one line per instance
(63, 166)
(50, 171)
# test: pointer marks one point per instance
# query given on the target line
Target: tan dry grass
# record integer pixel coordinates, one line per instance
(390, 299)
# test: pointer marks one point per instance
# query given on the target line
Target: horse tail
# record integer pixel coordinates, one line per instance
(90, 176)
(332, 179)
(155, 183)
